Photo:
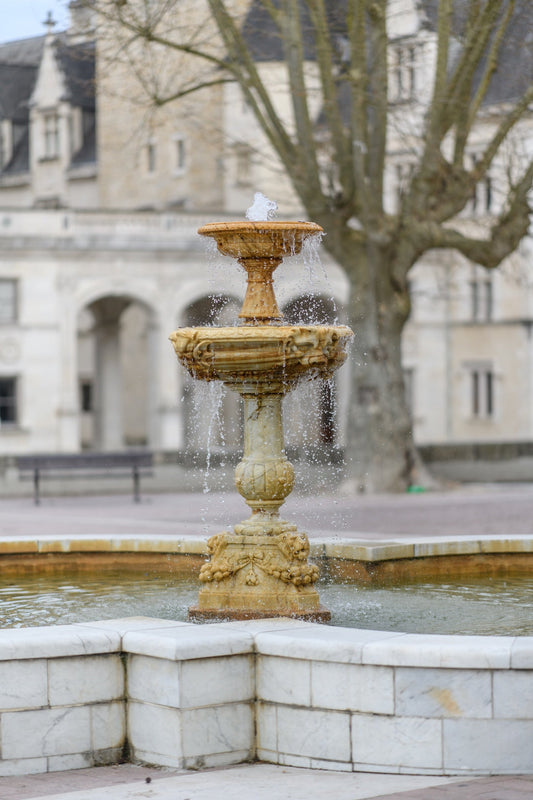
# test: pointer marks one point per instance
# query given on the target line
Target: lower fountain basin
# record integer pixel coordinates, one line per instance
(240, 354)
(282, 691)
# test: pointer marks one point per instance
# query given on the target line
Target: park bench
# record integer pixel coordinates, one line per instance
(90, 465)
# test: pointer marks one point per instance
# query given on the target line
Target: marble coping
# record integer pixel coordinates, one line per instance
(179, 641)
(329, 547)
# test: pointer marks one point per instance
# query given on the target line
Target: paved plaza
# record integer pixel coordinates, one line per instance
(484, 510)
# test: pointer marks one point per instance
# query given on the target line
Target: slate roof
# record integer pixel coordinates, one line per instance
(22, 51)
(16, 85)
(78, 66)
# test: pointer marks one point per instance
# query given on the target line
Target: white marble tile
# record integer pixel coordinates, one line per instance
(321, 643)
(48, 732)
(73, 761)
(283, 680)
(191, 641)
(463, 652)
(154, 680)
(155, 730)
(85, 680)
(499, 746)
(210, 681)
(56, 641)
(352, 686)
(522, 653)
(217, 760)
(405, 742)
(266, 720)
(124, 625)
(23, 684)
(108, 725)
(220, 729)
(314, 733)
(254, 626)
(139, 756)
(513, 694)
(430, 692)
(338, 766)
(22, 766)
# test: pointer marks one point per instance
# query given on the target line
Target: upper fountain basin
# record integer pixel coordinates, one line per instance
(282, 354)
(270, 239)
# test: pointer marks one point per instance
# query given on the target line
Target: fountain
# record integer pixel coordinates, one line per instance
(261, 568)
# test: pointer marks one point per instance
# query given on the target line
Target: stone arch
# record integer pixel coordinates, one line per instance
(211, 413)
(116, 368)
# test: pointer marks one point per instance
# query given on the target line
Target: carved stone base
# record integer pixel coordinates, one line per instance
(260, 570)
(197, 614)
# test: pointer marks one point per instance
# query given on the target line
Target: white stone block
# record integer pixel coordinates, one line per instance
(124, 625)
(352, 687)
(314, 733)
(56, 641)
(155, 730)
(23, 684)
(215, 760)
(266, 721)
(513, 694)
(222, 729)
(188, 641)
(213, 681)
(74, 761)
(283, 680)
(461, 652)
(394, 742)
(522, 653)
(22, 766)
(108, 725)
(321, 643)
(85, 680)
(499, 746)
(154, 680)
(442, 692)
(48, 732)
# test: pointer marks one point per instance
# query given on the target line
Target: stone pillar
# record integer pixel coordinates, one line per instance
(108, 379)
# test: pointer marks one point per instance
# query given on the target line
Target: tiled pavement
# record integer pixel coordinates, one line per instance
(483, 510)
(257, 781)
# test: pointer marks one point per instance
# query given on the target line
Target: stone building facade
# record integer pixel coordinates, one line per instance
(99, 262)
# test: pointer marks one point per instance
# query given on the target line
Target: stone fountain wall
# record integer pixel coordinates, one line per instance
(282, 691)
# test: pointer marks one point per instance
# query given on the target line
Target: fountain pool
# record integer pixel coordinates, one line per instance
(285, 691)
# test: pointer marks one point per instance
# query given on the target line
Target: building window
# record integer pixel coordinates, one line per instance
(481, 299)
(86, 396)
(51, 136)
(403, 175)
(403, 82)
(180, 155)
(482, 382)
(151, 157)
(8, 301)
(482, 201)
(409, 387)
(8, 401)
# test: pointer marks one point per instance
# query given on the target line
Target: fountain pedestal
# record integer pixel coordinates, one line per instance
(261, 569)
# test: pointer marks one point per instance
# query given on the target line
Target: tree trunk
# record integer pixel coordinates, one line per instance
(380, 453)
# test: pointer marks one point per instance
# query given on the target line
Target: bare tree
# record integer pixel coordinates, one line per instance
(338, 55)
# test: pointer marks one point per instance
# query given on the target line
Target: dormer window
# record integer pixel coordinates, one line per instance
(51, 136)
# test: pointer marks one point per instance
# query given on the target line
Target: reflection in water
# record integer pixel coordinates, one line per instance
(498, 606)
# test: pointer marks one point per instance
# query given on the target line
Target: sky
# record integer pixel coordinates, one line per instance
(20, 19)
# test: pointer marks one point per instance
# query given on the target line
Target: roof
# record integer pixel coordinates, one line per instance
(16, 85)
(23, 51)
(78, 66)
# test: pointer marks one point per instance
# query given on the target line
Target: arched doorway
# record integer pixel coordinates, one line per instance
(115, 373)
(211, 413)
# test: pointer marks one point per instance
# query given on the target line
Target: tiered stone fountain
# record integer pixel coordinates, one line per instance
(261, 568)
